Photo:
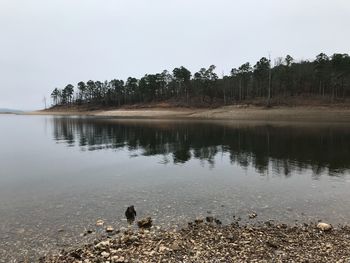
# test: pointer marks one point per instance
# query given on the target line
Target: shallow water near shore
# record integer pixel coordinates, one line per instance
(60, 174)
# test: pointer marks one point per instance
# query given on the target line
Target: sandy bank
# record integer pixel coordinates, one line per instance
(327, 114)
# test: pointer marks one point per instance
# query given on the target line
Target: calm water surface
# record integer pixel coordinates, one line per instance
(59, 175)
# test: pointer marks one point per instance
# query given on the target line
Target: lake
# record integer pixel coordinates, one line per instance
(58, 175)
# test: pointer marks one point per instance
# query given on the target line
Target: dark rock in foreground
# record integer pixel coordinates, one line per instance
(202, 242)
(130, 214)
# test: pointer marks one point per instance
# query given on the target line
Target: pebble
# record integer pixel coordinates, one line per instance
(145, 223)
(252, 215)
(100, 222)
(109, 229)
(209, 219)
(117, 259)
(324, 226)
(102, 244)
(105, 254)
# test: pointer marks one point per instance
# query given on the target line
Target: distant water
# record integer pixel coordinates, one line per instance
(58, 175)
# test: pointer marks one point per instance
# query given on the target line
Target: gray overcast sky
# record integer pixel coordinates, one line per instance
(49, 43)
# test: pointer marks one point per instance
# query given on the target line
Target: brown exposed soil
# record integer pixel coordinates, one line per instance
(330, 113)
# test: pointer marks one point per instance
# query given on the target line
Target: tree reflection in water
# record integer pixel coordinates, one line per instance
(285, 148)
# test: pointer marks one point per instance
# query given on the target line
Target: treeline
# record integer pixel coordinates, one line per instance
(326, 76)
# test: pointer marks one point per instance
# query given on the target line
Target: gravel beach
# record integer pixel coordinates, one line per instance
(209, 241)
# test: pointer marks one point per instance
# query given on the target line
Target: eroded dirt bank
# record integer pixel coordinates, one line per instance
(302, 113)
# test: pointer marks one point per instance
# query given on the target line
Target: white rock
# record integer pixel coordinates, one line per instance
(109, 229)
(116, 259)
(102, 244)
(324, 226)
(105, 254)
(162, 248)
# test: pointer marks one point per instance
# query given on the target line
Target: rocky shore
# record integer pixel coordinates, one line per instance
(209, 241)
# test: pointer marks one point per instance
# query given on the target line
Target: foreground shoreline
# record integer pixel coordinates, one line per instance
(209, 242)
(239, 112)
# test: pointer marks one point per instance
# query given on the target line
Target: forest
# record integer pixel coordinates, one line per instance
(325, 76)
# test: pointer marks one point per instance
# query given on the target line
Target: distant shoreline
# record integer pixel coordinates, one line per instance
(236, 112)
(9, 112)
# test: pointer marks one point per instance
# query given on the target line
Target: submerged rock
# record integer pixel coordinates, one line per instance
(100, 222)
(218, 222)
(252, 215)
(209, 219)
(199, 221)
(87, 232)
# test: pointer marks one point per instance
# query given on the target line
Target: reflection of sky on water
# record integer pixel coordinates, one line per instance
(173, 171)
